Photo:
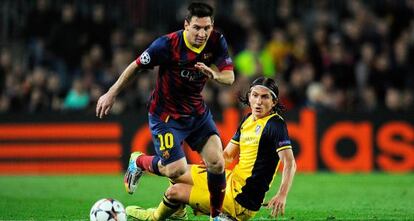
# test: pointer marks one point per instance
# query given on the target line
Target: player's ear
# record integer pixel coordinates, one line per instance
(186, 24)
(275, 101)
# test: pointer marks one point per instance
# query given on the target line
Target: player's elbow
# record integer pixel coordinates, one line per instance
(230, 80)
(227, 77)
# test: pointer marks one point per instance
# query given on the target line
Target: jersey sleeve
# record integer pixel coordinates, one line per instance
(223, 60)
(276, 132)
(236, 136)
(156, 54)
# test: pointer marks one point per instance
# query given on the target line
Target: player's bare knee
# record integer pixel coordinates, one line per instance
(174, 192)
(216, 166)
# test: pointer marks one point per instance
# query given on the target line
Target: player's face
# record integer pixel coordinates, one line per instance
(261, 102)
(198, 30)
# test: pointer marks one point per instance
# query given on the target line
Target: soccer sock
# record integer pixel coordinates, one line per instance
(148, 163)
(165, 209)
(217, 188)
(171, 182)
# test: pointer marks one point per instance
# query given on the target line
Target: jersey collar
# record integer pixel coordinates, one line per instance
(264, 118)
(192, 48)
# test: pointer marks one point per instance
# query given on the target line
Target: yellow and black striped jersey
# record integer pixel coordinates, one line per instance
(259, 142)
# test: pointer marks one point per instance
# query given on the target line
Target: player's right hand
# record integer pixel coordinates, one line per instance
(277, 205)
(104, 104)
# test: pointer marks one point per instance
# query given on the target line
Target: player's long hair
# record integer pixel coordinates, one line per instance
(200, 10)
(271, 84)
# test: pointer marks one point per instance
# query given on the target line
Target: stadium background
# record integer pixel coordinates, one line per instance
(345, 72)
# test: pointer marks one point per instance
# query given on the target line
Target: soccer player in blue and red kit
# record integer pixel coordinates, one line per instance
(177, 112)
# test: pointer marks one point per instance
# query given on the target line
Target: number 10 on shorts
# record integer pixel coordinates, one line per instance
(166, 141)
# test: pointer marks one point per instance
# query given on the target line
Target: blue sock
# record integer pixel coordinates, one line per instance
(155, 169)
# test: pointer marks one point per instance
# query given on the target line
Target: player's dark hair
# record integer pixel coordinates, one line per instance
(200, 10)
(272, 86)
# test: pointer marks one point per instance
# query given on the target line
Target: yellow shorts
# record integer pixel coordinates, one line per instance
(200, 196)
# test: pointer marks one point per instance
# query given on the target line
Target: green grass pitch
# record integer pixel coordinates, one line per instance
(320, 196)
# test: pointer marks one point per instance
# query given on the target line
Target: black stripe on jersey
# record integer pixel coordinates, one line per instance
(158, 101)
(264, 168)
(236, 136)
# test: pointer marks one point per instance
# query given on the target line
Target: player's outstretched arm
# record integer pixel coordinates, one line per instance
(224, 77)
(278, 202)
(230, 153)
(106, 101)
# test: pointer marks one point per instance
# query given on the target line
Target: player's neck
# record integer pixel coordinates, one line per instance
(255, 118)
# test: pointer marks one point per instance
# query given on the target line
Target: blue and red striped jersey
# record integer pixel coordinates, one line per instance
(178, 88)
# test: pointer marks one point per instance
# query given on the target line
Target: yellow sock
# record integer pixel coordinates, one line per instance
(171, 182)
(165, 209)
(181, 210)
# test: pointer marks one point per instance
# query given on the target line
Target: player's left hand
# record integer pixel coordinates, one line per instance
(206, 70)
(277, 205)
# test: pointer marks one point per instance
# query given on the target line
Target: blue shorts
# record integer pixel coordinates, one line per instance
(168, 137)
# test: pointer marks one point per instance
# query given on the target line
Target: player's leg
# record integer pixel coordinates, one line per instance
(170, 206)
(167, 207)
(154, 165)
(206, 141)
(179, 193)
(174, 199)
(197, 198)
(173, 203)
(216, 179)
(212, 154)
(173, 170)
(181, 212)
(169, 159)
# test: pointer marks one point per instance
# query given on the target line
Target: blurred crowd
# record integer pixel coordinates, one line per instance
(346, 56)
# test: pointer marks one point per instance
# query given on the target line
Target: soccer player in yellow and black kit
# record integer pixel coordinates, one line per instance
(261, 143)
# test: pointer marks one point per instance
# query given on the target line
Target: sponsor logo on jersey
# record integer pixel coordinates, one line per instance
(284, 143)
(249, 140)
(192, 75)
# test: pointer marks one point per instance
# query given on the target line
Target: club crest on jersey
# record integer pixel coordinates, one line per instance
(257, 130)
(165, 154)
(145, 58)
(207, 56)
